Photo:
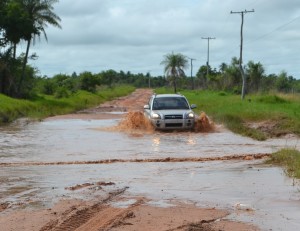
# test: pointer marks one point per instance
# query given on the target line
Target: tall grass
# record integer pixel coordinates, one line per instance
(281, 110)
(44, 105)
(289, 159)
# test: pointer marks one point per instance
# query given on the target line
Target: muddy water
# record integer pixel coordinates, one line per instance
(253, 192)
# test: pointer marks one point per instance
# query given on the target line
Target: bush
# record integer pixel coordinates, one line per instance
(272, 99)
(61, 92)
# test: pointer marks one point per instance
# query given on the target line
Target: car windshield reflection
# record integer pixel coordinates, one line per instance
(167, 103)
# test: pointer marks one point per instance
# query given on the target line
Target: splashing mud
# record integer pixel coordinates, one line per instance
(203, 123)
(135, 120)
(249, 157)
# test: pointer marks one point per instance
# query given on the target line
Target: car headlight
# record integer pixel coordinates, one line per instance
(155, 116)
(190, 115)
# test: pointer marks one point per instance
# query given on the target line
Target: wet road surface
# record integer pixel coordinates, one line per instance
(254, 192)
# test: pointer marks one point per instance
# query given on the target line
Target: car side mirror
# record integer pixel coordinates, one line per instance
(146, 107)
(193, 106)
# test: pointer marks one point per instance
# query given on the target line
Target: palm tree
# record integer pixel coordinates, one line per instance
(174, 66)
(41, 14)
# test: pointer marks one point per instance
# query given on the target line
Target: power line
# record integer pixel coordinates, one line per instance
(262, 36)
(276, 29)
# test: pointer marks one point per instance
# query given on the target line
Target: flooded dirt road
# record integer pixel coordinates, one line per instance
(102, 178)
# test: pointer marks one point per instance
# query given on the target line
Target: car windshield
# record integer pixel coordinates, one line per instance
(164, 103)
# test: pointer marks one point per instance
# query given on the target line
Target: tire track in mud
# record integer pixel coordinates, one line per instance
(203, 225)
(74, 219)
(244, 157)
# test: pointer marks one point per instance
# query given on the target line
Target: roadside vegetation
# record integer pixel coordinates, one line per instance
(42, 105)
(259, 116)
(289, 159)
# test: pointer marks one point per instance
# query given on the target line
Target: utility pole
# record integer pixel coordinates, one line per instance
(207, 62)
(193, 85)
(241, 50)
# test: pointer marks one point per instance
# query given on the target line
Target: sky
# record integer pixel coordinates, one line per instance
(135, 35)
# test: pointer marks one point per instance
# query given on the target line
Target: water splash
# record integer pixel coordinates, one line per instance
(203, 124)
(135, 120)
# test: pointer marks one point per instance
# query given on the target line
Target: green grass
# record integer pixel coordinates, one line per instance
(281, 110)
(289, 159)
(44, 105)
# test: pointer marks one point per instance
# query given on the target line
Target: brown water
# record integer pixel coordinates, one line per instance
(136, 121)
(253, 192)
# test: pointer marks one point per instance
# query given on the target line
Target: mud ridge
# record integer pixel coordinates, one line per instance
(77, 218)
(203, 225)
(167, 159)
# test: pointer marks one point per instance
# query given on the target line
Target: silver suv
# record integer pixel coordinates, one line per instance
(170, 111)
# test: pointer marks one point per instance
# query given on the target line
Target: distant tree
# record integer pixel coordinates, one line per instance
(202, 76)
(174, 67)
(282, 82)
(48, 86)
(211, 81)
(296, 86)
(230, 76)
(268, 83)
(255, 73)
(109, 77)
(223, 67)
(88, 81)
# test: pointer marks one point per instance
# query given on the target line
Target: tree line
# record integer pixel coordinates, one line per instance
(63, 85)
(228, 77)
(26, 20)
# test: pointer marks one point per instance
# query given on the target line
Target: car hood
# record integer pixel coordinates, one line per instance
(172, 112)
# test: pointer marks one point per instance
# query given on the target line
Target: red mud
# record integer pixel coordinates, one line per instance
(85, 185)
(98, 214)
(204, 124)
(3, 206)
(136, 121)
(168, 159)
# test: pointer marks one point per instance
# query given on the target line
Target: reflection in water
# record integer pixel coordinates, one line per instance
(156, 143)
(80, 140)
(212, 183)
(191, 140)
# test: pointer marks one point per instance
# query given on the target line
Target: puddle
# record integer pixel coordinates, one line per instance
(221, 184)
(80, 140)
(273, 199)
(124, 203)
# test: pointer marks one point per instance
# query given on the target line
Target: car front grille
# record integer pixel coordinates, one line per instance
(173, 117)
(174, 125)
